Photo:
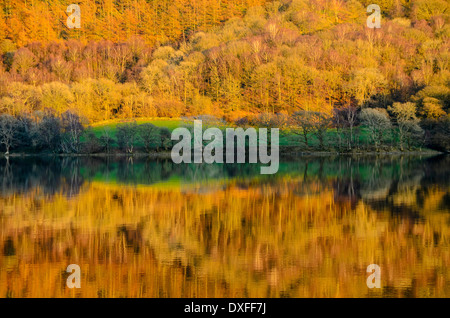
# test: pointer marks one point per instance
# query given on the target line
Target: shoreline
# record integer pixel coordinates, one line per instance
(290, 154)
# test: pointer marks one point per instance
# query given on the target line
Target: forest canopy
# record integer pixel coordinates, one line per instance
(225, 58)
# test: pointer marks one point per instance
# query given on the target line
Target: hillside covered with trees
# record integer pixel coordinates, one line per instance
(279, 63)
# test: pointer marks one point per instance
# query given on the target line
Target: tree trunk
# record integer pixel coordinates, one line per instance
(351, 138)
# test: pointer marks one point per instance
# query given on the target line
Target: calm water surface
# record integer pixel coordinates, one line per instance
(142, 228)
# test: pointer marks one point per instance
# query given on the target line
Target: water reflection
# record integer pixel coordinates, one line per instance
(143, 228)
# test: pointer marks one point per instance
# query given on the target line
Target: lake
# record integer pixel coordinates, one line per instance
(144, 228)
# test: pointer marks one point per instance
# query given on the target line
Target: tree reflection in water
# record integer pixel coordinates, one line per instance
(143, 228)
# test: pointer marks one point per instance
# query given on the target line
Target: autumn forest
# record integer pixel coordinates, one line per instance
(230, 59)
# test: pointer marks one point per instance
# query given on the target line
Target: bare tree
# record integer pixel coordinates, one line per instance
(377, 122)
(8, 125)
(307, 122)
(302, 124)
(72, 129)
(344, 120)
(351, 119)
